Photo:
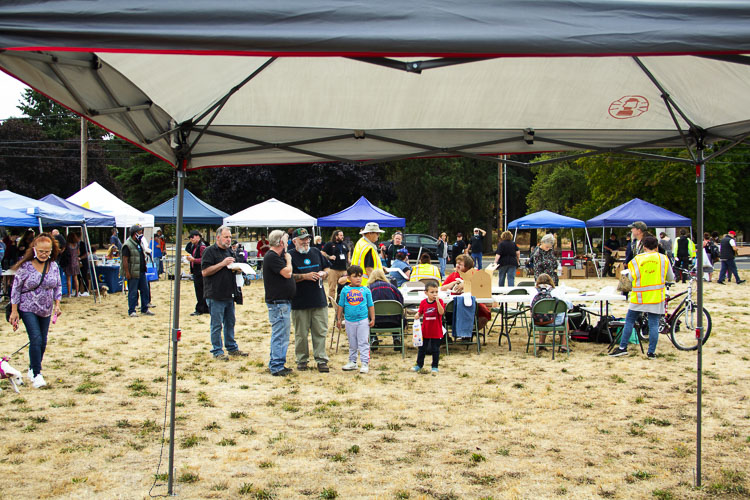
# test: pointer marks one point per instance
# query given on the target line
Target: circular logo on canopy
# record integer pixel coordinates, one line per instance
(307, 262)
(354, 297)
(628, 106)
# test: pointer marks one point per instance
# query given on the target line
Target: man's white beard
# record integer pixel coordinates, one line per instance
(303, 249)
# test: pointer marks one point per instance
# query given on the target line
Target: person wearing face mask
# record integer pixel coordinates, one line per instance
(309, 305)
(133, 269)
(35, 299)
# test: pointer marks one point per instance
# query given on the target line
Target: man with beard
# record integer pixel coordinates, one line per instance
(309, 311)
(336, 252)
(365, 254)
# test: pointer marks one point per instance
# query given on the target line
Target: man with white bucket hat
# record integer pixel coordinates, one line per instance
(365, 254)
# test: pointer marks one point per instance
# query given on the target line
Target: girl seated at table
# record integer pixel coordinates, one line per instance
(545, 287)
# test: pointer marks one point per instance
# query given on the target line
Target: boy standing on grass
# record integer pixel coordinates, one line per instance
(431, 312)
(355, 303)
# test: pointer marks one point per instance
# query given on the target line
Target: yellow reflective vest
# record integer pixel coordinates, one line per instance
(359, 253)
(649, 274)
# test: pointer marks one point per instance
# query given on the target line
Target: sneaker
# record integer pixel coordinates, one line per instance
(651, 355)
(133, 314)
(282, 373)
(618, 352)
(720, 282)
(416, 369)
(150, 305)
(302, 367)
(30, 374)
(38, 382)
(237, 352)
(147, 313)
(221, 357)
(323, 367)
(365, 368)
(83, 294)
(195, 313)
(349, 366)
(741, 282)
(434, 370)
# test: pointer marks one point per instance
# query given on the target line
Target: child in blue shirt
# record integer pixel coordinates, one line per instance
(355, 303)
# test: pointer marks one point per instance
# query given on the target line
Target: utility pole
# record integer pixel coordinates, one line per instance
(500, 196)
(84, 153)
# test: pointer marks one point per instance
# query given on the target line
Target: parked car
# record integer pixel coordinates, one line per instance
(427, 243)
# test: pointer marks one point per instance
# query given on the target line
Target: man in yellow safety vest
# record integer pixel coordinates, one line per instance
(365, 253)
(649, 272)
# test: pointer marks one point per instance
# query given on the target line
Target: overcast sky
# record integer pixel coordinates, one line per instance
(10, 96)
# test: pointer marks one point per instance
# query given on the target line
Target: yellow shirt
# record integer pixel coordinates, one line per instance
(425, 271)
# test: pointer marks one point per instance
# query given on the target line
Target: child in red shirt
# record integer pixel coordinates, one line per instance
(431, 312)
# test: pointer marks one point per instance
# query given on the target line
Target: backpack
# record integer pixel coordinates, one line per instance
(714, 252)
(64, 258)
(530, 262)
(538, 318)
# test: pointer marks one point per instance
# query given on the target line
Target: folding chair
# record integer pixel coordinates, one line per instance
(389, 308)
(448, 323)
(549, 306)
(511, 313)
(334, 327)
(641, 323)
(526, 283)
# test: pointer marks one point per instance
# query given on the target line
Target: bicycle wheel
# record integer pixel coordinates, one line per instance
(641, 328)
(682, 332)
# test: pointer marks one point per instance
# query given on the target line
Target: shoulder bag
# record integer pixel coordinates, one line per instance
(9, 307)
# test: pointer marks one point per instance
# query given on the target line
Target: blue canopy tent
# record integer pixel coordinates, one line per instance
(196, 211)
(14, 218)
(639, 210)
(550, 220)
(43, 212)
(360, 214)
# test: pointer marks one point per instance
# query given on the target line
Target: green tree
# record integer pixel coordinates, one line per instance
(557, 187)
(57, 121)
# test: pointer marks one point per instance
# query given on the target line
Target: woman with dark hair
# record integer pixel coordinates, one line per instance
(35, 297)
(71, 263)
(508, 256)
(25, 242)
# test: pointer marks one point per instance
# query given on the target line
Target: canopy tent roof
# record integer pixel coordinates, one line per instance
(270, 213)
(48, 213)
(360, 214)
(545, 219)
(195, 211)
(95, 197)
(14, 218)
(371, 80)
(639, 210)
(92, 219)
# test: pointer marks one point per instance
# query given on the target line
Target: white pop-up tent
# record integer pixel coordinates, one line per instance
(98, 199)
(271, 213)
(232, 82)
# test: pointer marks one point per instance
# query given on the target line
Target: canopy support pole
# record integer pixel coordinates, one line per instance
(181, 174)
(700, 179)
(40, 225)
(591, 248)
(92, 267)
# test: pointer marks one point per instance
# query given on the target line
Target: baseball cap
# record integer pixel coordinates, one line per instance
(135, 228)
(403, 250)
(300, 233)
(639, 225)
(732, 233)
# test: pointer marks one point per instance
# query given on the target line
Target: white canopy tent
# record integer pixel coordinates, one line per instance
(98, 199)
(233, 82)
(271, 213)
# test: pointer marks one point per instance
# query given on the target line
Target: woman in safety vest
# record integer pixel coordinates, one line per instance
(649, 272)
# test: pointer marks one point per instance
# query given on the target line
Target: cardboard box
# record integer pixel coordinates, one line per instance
(566, 272)
(619, 268)
(743, 250)
(479, 283)
(590, 270)
(577, 274)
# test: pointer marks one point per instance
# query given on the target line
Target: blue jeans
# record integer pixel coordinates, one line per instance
(441, 264)
(37, 328)
(653, 329)
(510, 272)
(729, 267)
(136, 285)
(477, 260)
(280, 316)
(222, 314)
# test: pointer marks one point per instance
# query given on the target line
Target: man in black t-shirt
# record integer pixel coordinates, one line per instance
(336, 252)
(459, 247)
(309, 312)
(280, 289)
(476, 246)
(219, 287)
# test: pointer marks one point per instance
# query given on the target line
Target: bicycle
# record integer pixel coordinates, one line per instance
(681, 323)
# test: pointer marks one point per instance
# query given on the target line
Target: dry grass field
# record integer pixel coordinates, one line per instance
(496, 425)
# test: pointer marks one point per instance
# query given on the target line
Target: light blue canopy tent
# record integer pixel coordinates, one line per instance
(545, 219)
(90, 217)
(14, 218)
(43, 212)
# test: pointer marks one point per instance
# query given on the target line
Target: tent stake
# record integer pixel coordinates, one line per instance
(175, 322)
